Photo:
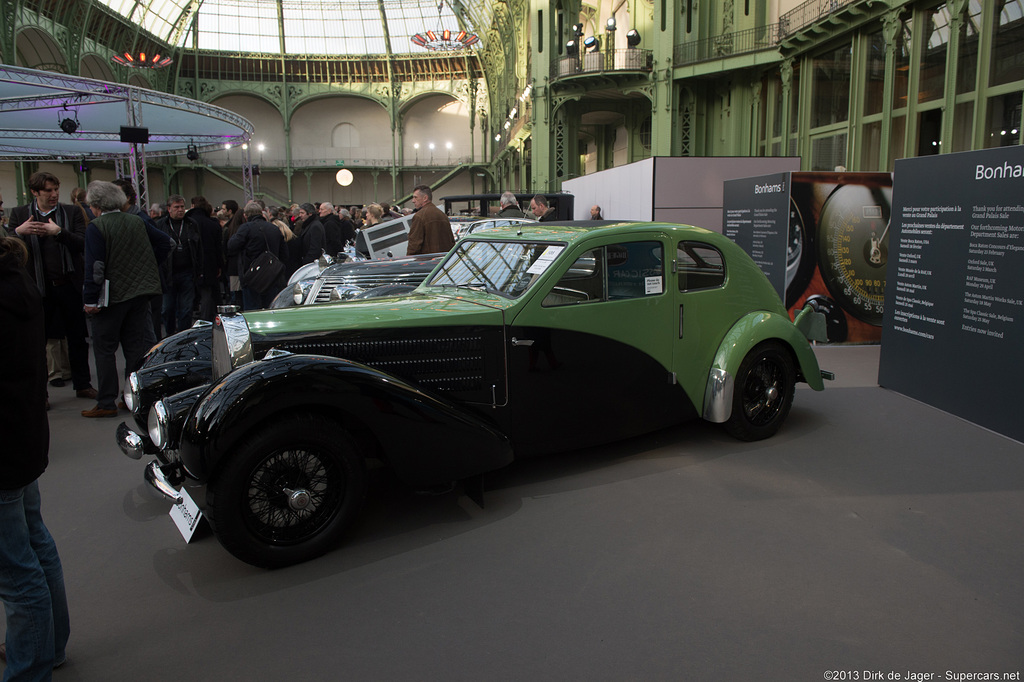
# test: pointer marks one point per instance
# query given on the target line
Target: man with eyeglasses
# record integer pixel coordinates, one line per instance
(55, 236)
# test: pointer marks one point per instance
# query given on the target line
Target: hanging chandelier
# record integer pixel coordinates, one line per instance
(141, 60)
(443, 39)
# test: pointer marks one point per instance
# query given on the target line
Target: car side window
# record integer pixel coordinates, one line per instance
(701, 266)
(614, 272)
(583, 282)
(635, 270)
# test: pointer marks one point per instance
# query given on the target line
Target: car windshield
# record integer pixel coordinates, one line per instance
(504, 268)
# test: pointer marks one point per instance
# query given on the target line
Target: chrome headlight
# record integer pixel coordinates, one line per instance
(131, 392)
(158, 423)
(344, 292)
(292, 295)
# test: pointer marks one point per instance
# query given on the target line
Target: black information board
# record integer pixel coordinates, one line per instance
(953, 333)
(757, 219)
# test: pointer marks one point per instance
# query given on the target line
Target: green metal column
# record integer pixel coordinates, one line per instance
(956, 20)
(543, 52)
(662, 43)
(891, 27)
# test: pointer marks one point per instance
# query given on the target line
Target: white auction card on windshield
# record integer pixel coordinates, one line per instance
(186, 516)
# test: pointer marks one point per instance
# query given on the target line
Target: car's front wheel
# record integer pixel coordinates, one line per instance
(288, 492)
(763, 392)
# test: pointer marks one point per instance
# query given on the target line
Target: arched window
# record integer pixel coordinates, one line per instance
(345, 135)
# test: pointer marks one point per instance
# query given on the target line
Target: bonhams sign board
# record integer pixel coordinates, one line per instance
(953, 334)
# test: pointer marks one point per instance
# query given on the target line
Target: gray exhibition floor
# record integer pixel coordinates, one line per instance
(873, 533)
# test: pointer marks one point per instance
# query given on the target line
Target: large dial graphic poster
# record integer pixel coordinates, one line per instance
(828, 244)
(954, 307)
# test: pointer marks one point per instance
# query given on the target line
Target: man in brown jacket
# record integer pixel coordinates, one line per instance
(430, 230)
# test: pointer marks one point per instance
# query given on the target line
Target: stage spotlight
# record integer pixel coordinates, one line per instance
(632, 37)
(68, 124)
(592, 44)
(572, 49)
(577, 30)
(192, 154)
(610, 26)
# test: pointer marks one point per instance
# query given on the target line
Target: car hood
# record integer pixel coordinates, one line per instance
(446, 309)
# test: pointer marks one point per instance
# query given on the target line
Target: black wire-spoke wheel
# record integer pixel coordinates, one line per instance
(288, 493)
(762, 393)
(292, 495)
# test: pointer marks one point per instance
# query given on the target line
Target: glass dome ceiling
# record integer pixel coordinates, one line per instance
(310, 27)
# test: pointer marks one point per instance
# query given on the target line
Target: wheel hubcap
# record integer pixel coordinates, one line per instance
(297, 499)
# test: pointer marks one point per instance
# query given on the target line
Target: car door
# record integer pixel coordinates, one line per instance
(590, 354)
(705, 312)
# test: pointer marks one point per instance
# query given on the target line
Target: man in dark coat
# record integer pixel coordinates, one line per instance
(510, 207)
(253, 237)
(156, 302)
(311, 234)
(181, 271)
(430, 230)
(210, 232)
(539, 208)
(55, 236)
(334, 242)
(31, 576)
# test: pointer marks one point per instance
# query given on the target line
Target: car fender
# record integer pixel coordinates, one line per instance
(742, 337)
(425, 438)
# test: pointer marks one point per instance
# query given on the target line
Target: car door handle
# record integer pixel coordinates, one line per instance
(521, 342)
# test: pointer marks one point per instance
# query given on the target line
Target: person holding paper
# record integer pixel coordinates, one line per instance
(121, 276)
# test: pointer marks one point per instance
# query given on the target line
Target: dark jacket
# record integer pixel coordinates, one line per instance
(54, 258)
(334, 242)
(312, 236)
(252, 239)
(511, 211)
(549, 215)
(26, 439)
(191, 241)
(211, 235)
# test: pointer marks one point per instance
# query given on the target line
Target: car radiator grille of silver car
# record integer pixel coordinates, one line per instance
(439, 363)
(367, 281)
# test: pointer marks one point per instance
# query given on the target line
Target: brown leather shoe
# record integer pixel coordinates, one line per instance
(89, 393)
(99, 412)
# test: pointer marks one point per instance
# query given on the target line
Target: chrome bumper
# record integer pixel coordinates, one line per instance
(156, 478)
(130, 442)
(133, 445)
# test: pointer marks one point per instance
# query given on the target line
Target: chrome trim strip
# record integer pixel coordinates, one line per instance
(718, 396)
(156, 478)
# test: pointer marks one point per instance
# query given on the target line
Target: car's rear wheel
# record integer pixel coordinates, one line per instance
(763, 392)
(288, 492)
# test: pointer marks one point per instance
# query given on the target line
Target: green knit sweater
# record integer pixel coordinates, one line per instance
(129, 264)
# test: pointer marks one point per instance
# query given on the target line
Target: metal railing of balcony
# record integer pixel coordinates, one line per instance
(727, 45)
(629, 59)
(808, 13)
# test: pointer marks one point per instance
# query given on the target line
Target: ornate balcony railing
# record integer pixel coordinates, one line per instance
(808, 13)
(630, 59)
(727, 45)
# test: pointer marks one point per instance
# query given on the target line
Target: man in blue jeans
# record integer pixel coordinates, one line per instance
(31, 577)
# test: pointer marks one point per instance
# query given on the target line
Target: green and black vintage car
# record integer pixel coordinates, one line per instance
(522, 341)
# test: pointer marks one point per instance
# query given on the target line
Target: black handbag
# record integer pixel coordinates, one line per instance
(263, 270)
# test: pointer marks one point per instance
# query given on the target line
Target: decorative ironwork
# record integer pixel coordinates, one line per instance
(727, 45)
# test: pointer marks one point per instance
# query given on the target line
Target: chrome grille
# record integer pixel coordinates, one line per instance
(321, 290)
